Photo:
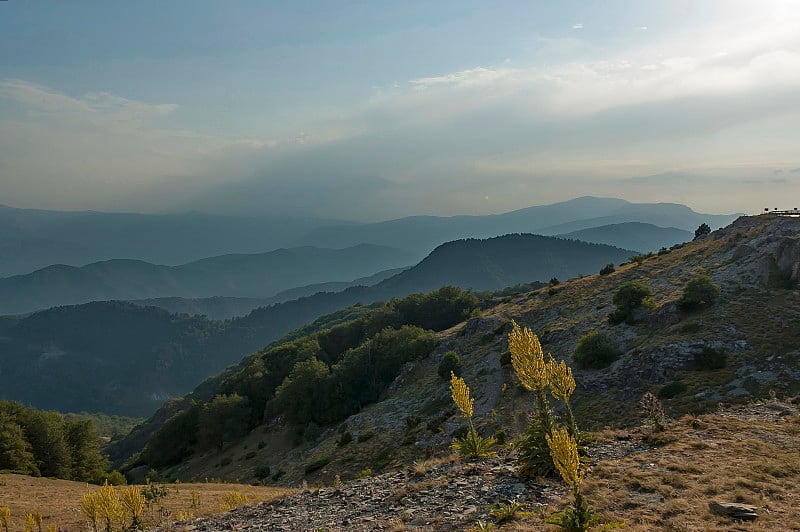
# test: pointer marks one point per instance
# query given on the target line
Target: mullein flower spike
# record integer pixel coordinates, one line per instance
(562, 384)
(527, 358)
(564, 451)
(460, 393)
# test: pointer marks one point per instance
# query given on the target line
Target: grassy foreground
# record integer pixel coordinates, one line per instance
(59, 500)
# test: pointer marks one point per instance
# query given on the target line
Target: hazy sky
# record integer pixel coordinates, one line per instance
(377, 109)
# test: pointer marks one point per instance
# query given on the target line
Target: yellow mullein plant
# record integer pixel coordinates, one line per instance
(5, 518)
(562, 385)
(564, 451)
(89, 507)
(109, 507)
(472, 444)
(133, 501)
(527, 357)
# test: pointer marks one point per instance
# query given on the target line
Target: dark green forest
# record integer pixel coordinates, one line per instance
(33, 442)
(310, 380)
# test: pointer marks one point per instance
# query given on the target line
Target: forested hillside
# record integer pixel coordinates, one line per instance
(311, 379)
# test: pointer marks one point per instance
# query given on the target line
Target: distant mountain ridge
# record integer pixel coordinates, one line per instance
(121, 358)
(33, 239)
(638, 236)
(422, 234)
(259, 275)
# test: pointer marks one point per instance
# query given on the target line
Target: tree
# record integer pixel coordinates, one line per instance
(627, 298)
(84, 445)
(703, 229)
(15, 451)
(699, 291)
(300, 396)
(223, 419)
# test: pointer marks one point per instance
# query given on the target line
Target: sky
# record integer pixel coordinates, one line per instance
(370, 110)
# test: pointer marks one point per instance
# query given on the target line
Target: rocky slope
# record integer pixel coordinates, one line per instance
(755, 327)
(648, 481)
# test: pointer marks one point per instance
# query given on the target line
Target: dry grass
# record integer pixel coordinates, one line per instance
(58, 500)
(713, 458)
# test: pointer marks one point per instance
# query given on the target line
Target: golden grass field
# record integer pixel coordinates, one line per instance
(58, 500)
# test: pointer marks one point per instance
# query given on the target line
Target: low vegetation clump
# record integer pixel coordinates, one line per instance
(653, 411)
(709, 359)
(627, 299)
(607, 269)
(700, 291)
(595, 350)
(451, 363)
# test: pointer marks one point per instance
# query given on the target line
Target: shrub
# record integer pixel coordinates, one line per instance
(115, 478)
(450, 362)
(365, 436)
(607, 269)
(344, 439)
(709, 359)
(261, 472)
(639, 259)
(554, 282)
(699, 291)
(674, 388)
(595, 350)
(627, 299)
(316, 465)
(691, 327)
(505, 358)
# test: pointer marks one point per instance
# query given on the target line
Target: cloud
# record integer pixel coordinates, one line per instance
(39, 97)
(578, 26)
(694, 112)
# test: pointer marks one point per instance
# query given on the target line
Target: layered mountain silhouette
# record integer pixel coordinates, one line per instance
(121, 358)
(260, 275)
(34, 239)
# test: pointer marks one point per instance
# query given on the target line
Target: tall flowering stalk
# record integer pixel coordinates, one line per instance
(562, 386)
(109, 507)
(5, 518)
(472, 444)
(527, 358)
(133, 502)
(564, 451)
(89, 508)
